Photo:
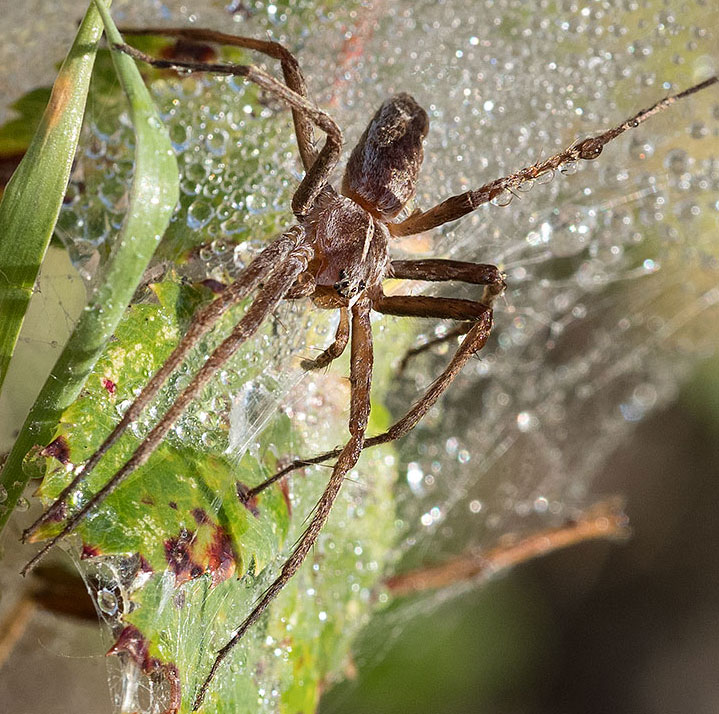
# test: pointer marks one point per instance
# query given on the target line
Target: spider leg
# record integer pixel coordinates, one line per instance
(361, 378)
(472, 343)
(337, 347)
(203, 322)
(426, 306)
(276, 285)
(587, 149)
(318, 174)
(442, 270)
(291, 72)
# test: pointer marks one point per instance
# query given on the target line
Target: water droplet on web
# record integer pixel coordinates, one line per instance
(527, 421)
(180, 136)
(504, 198)
(546, 177)
(641, 148)
(216, 142)
(677, 161)
(698, 130)
(199, 214)
(107, 602)
(415, 477)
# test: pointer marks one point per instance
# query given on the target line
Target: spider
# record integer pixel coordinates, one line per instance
(337, 254)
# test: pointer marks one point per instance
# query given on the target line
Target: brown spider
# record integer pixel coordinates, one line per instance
(338, 255)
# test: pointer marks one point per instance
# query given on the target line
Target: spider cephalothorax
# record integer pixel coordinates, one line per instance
(338, 253)
(351, 249)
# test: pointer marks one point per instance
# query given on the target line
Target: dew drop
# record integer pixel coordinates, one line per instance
(526, 421)
(199, 214)
(698, 130)
(475, 506)
(676, 162)
(504, 198)
(641, 149)
(107, 601)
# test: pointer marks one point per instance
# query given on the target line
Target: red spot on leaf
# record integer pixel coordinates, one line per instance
(131, 643)
(89, 551)
(249, 502)
(285, 491)
(145, 566)
(172, 505)
(173, 679)
(179, 557)
(109, 385)
(200, 516)
(58, 449)
(221, 559)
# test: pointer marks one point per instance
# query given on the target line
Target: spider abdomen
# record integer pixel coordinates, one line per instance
(382, 170)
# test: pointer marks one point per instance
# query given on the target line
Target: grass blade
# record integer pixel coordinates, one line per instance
(153, 196)
(32, 199)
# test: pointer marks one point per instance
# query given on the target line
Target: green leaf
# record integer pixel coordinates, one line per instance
(181, 537)
(153, 197)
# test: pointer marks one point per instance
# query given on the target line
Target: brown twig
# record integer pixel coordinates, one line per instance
(603, 520)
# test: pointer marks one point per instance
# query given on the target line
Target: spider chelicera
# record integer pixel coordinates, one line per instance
(338, 255)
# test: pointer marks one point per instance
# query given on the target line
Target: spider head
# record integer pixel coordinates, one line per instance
(382, 170)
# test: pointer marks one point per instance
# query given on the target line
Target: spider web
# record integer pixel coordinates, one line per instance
(612, 272)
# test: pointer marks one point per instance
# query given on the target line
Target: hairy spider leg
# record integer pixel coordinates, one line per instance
(276, 285)
(336, 348)
(291, 72)
(361, 360)
(202, 322)
(318, 174)
(443, 270)
(587, 149)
